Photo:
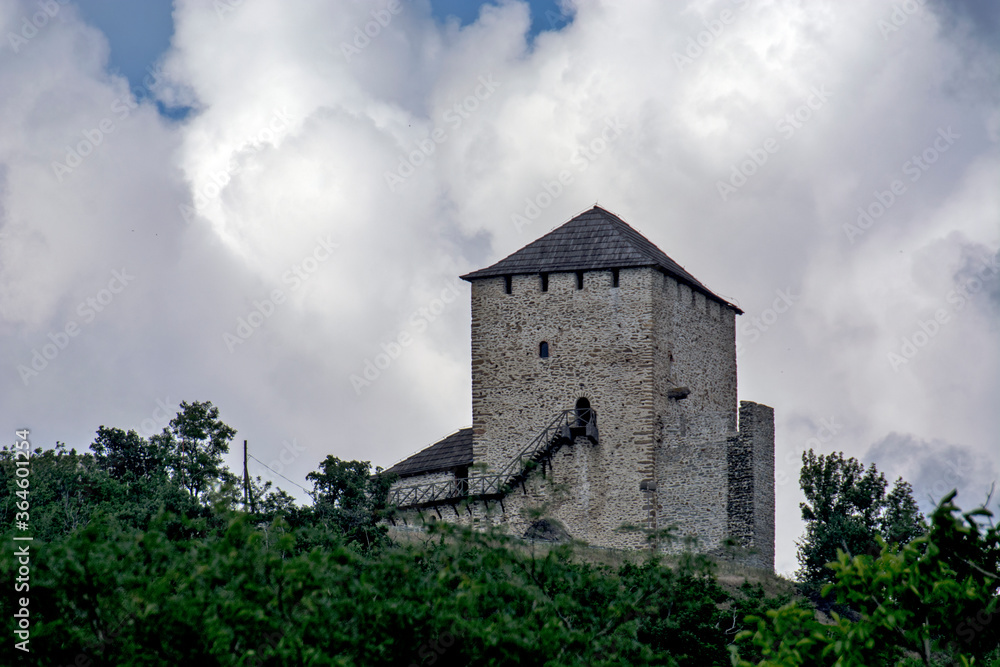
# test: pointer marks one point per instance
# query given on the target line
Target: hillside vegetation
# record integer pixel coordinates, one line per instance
(144, 552)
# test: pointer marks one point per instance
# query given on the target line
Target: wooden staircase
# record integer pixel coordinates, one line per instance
(563, 429)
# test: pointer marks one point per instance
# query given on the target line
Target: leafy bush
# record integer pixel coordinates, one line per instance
(929, 602)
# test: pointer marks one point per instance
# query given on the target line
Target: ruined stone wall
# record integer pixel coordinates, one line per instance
(751, 484)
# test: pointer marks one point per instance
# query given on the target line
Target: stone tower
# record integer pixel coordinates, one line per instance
(594, 318)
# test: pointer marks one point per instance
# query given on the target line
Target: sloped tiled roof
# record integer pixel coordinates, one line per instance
(593, 240)
(451, 452)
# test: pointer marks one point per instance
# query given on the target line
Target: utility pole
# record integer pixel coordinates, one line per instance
(246, 479)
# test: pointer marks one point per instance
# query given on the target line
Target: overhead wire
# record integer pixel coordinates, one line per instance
(279, 474)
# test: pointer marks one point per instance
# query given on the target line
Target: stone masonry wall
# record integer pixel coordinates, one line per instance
(695, 347)
(661, 460)
(443, 476)
(751, 483)
(692, 489)
(600, 348)
(570, 492)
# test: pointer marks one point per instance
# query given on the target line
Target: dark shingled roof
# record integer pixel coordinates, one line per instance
(446, 454)
(593, 240)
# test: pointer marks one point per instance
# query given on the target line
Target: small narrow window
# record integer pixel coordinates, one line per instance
(543, 350)
(545, 282)
(614, 277)
(506, 284)
(579, 279)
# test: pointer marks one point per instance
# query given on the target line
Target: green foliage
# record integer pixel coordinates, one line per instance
(126, 455)
(928, 602)
(125, 476)
(142, 558)
(193, 447)
(61, 493)
(847, 509)
(68, 489)
(350, 500)
(228, 592)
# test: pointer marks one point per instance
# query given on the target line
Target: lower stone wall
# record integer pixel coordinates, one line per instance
(711, 488)
(578, 490)
(691, 489)
(444, 476)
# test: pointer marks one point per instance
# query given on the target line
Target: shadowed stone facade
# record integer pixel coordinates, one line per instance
(594, 315)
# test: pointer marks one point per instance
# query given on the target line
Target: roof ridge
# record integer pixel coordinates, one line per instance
(442, 454)
(621, 234)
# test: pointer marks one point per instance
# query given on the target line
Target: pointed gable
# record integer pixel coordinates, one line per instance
(593, 240)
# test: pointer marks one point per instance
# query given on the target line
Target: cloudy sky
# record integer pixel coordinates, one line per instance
(247, 201)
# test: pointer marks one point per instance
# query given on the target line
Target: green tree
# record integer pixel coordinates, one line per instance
(125, 455)
(243, 594)
(194, 446)
(928, 602)
(847, 508)
(347, 496)
(901, 520)
(65, 491)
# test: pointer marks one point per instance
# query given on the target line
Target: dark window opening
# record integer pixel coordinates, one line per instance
(545, 282)
(506, 284)
(543, 350)
(579, 279)
(614, 277)
(583, 413)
